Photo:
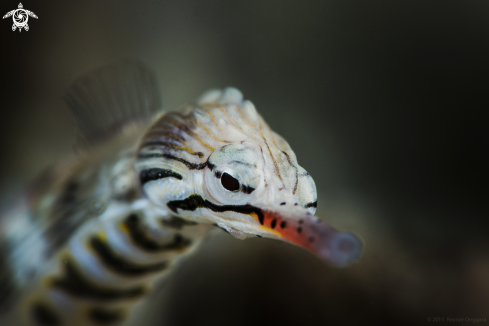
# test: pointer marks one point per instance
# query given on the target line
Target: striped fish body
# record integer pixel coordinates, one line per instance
(98, 232)
(84, 247)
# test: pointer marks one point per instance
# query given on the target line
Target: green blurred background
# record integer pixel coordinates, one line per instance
(384, 103)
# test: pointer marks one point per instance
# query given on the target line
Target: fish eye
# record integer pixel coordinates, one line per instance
(229, 182)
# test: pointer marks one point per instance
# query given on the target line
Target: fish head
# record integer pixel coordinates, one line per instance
(228, 168)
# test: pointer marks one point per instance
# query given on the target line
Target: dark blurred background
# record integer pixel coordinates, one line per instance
(384, 102)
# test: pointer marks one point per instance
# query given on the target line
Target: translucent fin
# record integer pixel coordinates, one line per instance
(105, 100)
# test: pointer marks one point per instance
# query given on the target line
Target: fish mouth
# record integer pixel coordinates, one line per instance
(309, 232)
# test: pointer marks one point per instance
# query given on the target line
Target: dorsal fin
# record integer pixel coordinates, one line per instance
(105, 100)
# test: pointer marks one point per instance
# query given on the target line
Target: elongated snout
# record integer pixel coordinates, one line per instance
(307, 231)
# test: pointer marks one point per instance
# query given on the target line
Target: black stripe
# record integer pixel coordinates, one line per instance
(63, 222)
(168, 145)
(195, 201)
(156, 173)
(191, 166)
(314, 204)
(118, 264)
(247, 189)
(261, 218)
(66, 216)
(74, 283)
(188, 204)
(145, 243)
(43, 315)
(104, 316)
(177, 223)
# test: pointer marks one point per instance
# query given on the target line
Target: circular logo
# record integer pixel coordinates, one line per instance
(20, 17)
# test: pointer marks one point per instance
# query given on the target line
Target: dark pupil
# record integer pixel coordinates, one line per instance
(229, 183)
